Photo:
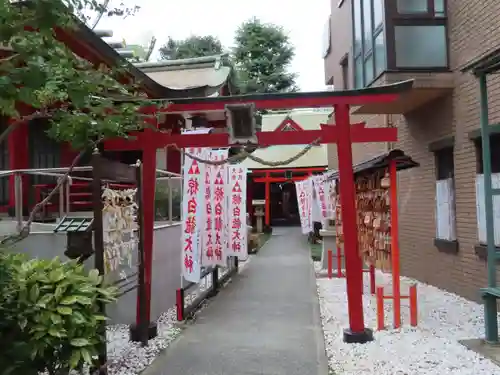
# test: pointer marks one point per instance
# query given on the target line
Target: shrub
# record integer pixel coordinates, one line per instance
(49, 318)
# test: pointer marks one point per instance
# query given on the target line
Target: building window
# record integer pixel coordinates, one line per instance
(368, 66)
(378, 14)
(358, 72)
(358, 37)
(418, 34)
(445, 195)
(421, 46)
(495, 181)
(380, 60)
(439, 8)
(368, 44)
(412, 6)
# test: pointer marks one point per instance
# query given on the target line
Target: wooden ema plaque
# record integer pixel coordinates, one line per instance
(373, 220)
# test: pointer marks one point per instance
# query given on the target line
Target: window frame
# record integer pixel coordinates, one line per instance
(494, 156)
(368, 51)
(394, 18)
(443, 171)
(444, 164)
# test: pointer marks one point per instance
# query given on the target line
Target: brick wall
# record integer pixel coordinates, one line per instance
(473, 31)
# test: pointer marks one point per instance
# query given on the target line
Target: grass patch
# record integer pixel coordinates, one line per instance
(316, 251)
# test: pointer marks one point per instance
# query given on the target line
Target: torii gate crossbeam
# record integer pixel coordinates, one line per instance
(342, 133)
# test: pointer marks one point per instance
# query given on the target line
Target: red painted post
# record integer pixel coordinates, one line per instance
(267, 214)
(353, 262)
(396, 282)
(380, 308)
(148, 202)
(179, 304)
(339, 262)
(330, 263)
(372, 280)
(413, 306)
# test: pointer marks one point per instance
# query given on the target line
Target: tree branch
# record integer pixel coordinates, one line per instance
(14, 124)
(9, 58)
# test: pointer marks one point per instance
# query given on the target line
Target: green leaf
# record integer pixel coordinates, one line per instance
(74, 359)
(69, 300)
(101, 318)
(86, 356)
(38, 335)
(78, 318)
(79, 342)
(56, 275)
(83, 300)
(34, 293)
(56, 319)
(60, 289)
(64, 310)
(45, 300)
(94, 277)
(54, 332)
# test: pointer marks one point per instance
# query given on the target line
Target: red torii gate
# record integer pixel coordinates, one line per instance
(342, 133)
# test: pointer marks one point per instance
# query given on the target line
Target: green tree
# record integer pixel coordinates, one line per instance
(262, 54)
(40, 72)
(194, 46)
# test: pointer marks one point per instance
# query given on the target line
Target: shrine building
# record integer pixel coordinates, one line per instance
(273, 187)
(30, 147)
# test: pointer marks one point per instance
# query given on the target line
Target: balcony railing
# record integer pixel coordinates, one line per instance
(75, 195)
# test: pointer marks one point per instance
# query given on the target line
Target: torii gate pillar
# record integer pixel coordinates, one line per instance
(357, 332)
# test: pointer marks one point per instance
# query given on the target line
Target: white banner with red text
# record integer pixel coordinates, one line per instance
(237, 191)
(193, 214)
(320, 188)
(214, 247)
(304, 199)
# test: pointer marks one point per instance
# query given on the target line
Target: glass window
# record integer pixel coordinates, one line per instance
(367, 25)
(378, 13)
(420, 46)
(412, 6)
(369, 69)
(380, 54)
(439, 10)
(357, 27)
(358, 72)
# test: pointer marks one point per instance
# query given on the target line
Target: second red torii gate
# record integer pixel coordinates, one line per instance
(342, 133)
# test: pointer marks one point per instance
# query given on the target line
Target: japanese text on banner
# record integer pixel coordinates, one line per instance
(213, 253)
(238, 242)
(319, 183)
(192, 219)
(207, 252)
(308, 187)
(303, 199)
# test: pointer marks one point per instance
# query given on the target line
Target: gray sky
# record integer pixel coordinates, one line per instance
(303, 20)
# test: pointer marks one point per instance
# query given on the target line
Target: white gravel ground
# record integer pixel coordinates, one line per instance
(129, 358)
(431, 348)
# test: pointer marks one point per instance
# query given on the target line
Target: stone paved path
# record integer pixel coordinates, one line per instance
(265, 322)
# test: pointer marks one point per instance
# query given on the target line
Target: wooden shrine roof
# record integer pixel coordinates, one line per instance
(85, 43)
(209, 72)
(291, 121)
(380, 162)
